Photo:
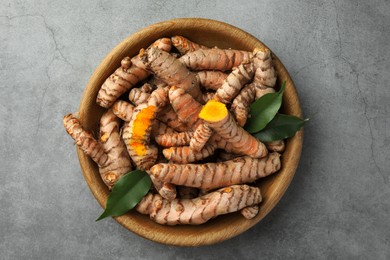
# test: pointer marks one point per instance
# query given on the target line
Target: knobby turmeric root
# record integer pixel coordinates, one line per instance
(137, 132)
(220, 120)
(177, 139)
(184, 154)
(210, 79)
(138, 96)
(199, 210)
(250, 212)
(231, 86)
(169, 69)
(128, 75)
(167, 127)
(185, 106)
(110, 153)
(183, 45)
(241, 104)
(136, 135)
(123, 110)
(216, 175)
(215, 59)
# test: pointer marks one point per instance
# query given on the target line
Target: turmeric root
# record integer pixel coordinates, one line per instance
(234, 83)
(231, 86)
(166, 190)
(186, 107)
(210, 79)
(125, 77)
(250, 212)
(123, 110)
(200, 137)
(169, 69)
(140, 95)
(160, 128)
(136, 135)
(199, 210)
(184, 154)
(110, 153)
(215, 59)
(137, 132)
(215, 175)
(169, 117)
(178, 139)
(220, 120)
(85, 140)
(265, 73)
(183, 45)
(241, 104)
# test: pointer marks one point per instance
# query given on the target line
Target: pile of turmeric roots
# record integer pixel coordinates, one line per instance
(177, 110)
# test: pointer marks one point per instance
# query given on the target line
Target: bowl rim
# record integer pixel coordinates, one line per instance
(132, 220)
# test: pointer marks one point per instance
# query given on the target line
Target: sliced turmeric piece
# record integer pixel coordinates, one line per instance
(216, 175)
(136, 135)
(218, 118)
(199, 210)
(226, 93)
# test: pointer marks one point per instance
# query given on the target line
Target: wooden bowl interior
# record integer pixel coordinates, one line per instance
(209, 33)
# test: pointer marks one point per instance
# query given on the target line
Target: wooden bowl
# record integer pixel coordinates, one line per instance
(210, 33)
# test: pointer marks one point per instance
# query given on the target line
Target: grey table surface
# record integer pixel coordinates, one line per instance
(337, 53)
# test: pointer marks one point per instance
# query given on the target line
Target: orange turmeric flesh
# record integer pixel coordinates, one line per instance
(213, 111)
(142, 123)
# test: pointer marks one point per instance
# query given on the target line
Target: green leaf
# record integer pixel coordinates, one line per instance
(126, 193)
(263, 110)
(281, 127)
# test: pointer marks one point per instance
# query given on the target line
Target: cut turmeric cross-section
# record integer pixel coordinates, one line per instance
(218, 117)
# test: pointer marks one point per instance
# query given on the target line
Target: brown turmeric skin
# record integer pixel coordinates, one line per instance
(110, 153)
(140, 95)
(199, 210)
(215, 59)
(177, 139)
(241, 104)
(185, 106)
(231, 86)
(250, 212)
(123, 110)
(234, 82)
(127, 76)
(183, 45)
(184, 154)
(210, 79)
(216, 175)
(169, 69)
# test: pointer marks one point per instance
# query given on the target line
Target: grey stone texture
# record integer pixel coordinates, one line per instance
(338, 205)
